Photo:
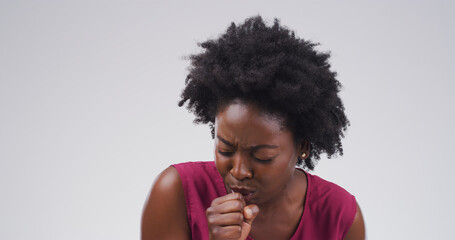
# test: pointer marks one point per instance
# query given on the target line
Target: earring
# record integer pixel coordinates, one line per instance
(303, 155)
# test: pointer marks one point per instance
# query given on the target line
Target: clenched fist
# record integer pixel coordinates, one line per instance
(229, 218)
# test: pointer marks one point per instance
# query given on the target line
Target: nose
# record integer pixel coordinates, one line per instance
(241, 168)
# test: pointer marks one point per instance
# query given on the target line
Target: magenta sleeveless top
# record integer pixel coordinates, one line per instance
(328, 212)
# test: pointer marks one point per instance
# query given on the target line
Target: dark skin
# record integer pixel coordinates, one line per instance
(252, 150)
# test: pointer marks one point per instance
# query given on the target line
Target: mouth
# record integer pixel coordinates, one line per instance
(246, 193)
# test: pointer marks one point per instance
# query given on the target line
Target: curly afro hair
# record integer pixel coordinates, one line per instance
(280, 73)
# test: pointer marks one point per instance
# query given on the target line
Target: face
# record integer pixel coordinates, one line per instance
(253, 153)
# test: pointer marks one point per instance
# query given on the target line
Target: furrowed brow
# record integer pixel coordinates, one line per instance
(225, 141)
(251, 148)
(254, 148)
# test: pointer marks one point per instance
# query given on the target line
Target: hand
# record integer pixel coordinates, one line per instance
(229, 218)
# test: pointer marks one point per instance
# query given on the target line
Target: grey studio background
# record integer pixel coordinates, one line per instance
(89, 116)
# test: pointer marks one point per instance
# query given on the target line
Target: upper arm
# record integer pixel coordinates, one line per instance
(164, 215)
(357, 230)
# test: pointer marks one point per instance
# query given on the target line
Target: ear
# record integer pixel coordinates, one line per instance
(304, 148)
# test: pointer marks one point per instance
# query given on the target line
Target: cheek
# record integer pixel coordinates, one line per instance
(222, 165)
(277, 175)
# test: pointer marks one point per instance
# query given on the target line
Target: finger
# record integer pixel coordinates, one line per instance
(226, 219)
(250, 212)
(226, 207)
(230, 206)
(229, 232)
(228, 197)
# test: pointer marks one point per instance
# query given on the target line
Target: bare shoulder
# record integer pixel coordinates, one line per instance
(164, 215)
(357, 230)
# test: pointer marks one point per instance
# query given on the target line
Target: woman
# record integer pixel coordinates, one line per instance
(271, 102)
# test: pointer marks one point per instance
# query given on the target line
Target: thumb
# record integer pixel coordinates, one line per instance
(249, 213)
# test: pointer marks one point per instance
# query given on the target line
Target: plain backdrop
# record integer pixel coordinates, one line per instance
(89, 115)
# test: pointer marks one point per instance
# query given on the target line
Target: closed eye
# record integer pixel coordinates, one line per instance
(263, 160)
(227, 154)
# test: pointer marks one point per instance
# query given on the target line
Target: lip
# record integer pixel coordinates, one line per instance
(246, 192)
(241, 190)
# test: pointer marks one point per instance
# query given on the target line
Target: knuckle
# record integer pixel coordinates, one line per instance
(216, 231)
(239, 217)
(239, 230)
(233, 233)
(236, 232)
(210, 220)
(209, 211)
(214, 201)
(238, 205)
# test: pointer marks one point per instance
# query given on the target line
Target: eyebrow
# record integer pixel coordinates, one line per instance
(253, 148)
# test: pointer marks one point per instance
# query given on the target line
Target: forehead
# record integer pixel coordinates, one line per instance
(247, 123)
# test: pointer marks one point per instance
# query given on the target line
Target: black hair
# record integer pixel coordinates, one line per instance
(279, 72)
